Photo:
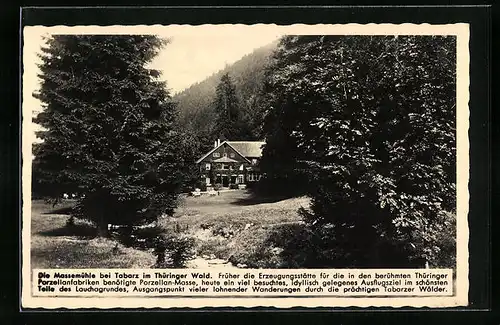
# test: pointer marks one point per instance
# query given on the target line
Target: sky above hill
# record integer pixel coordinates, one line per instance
(193, 53)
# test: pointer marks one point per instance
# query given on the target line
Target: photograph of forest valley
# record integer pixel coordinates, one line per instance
(308, 151)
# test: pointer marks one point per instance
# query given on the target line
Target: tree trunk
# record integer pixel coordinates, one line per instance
(102, 227)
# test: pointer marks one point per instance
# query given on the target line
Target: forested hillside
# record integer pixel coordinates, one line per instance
(196, 103)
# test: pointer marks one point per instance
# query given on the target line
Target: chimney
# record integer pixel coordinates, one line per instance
(218, 142)
(215, 144)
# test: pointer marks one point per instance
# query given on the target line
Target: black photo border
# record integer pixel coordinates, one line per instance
(479, 17)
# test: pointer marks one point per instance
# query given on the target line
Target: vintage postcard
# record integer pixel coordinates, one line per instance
(185, 166)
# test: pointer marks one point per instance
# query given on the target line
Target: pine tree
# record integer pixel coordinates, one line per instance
(107, 129)
(230, 123)
(371, 122)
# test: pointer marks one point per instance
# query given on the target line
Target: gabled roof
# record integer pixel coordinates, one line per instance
(247, 149)
(220, 145)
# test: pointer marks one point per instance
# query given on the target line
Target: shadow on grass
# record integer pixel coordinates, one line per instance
(62, 210)
(86, 231)
(254, 199)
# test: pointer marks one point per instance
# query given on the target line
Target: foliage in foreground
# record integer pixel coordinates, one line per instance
(174, 250)
(370, 123)
(171, 246)
(301, 246)
(107, 129)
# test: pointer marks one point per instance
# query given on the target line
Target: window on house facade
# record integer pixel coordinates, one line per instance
(241, 179)
(225, 154)
(254, 161)
(224, 166)
(207, 166)
(250, 177)
(231, 155)
(216, 155)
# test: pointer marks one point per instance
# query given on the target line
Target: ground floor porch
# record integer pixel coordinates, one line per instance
(228, 179)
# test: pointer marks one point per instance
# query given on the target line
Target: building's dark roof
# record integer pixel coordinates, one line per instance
(249, 149)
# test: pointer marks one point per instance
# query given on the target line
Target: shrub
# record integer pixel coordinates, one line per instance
(280, 246)
(442, 236)
(125, 236)
(217, 186)
(203, 187)
(159, 252)
(251, 185)
(70, 223)
(173, 250)
(226, 231)
(138, 237)
(145, 237)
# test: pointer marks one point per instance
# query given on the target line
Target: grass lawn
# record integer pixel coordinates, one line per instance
(232, 226)
(237, 208)
(239, 227)
(54, 246)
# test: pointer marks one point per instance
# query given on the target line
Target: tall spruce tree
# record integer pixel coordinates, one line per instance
(371, 122)
(107, 129)
(230, 121)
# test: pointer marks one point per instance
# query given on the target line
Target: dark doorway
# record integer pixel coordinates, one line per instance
(225, 181)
